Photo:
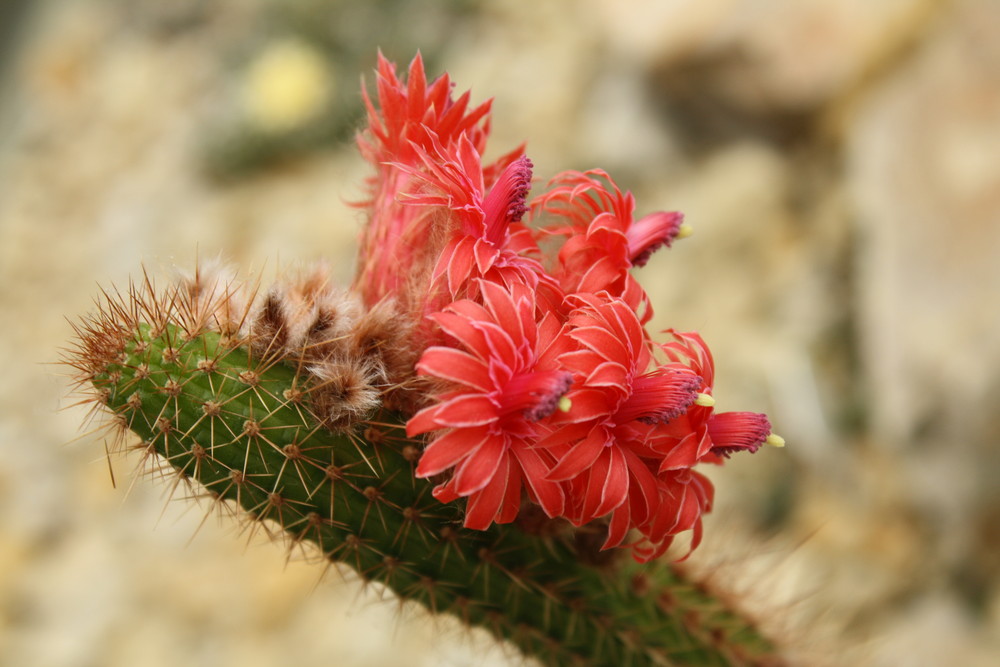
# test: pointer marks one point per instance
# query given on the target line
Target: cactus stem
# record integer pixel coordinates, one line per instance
(217, 385)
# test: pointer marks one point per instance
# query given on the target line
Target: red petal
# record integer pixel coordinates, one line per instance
(618, 528)
(500, 303)
(546, 493)
(581, 361)
(685, 454)
(448, 449)
(616, 484)
(483, 505)
(461, 329)
(690, 511)
(609, 374)
(477, 470)
(594, 491)
(628, 326)
(501, 348)
(445, 492)
(643, 493)
(456, 260)
(581, 456)
(450, 364)
(586, 405)
(603, 342)
(416, 88)
(665, 513)
(461, 411)
(565, 433)
(601, 275)
(485, 254)
(511, 500)
(423, 421)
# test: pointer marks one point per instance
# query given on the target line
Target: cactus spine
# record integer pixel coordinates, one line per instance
(241, 422)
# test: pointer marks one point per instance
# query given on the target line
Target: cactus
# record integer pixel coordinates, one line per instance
(242, 426)
(480, 423)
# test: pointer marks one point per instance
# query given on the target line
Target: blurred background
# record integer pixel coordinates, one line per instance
(838, 159)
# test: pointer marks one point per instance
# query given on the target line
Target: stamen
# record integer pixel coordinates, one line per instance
(774, 440)
(652, 232)
(537, 394)
(507, 200)
(704, 400)
(660, 395)
(738, 431)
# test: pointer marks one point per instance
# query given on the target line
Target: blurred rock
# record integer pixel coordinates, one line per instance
(924, 172)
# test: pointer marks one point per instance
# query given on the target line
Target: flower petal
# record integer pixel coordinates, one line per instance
(484, 505)
(448, 449)
(601, 341)
(462, 411)
(456, 262)
(500, 304)
(685, 453)
(478, 469)
(462, 330)
(621, 519)
(616, 484)
(546, 493)
(585, 405)
(581, 456)
(451, 364)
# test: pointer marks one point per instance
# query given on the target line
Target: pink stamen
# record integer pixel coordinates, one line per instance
(650, 233)
(737, 431)
(535, 394)
(660, 396)
(506, 202)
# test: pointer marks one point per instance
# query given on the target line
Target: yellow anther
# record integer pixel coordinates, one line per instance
(774, 440)
(684, 231)
(704, 400)
(565, 404)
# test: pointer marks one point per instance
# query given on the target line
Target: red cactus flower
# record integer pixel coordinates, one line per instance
(619, 393)
(484, 239)
(498, 383)
(509, 333)
(603, 241)
(413, 124)
(702, 435)
(685, 495)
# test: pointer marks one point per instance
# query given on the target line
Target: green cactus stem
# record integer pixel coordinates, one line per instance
(241, 426)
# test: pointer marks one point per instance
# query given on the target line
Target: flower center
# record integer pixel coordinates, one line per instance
(536, 394)
(506, 202)
(660, 395)
(650, 233)
(738, 431)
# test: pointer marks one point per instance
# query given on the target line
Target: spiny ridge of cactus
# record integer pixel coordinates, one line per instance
(232, 413)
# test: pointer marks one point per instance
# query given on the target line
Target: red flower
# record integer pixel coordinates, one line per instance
(416, 127)
(685, 495)
(515, 334)
(412, 115)
(484, 237)
(702, 435)
(603, 241)
(600, 442)
(498, 385)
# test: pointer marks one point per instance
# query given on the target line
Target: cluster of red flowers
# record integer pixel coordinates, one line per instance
(548, 384)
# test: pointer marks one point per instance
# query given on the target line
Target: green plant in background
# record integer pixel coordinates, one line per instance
(562, 437)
